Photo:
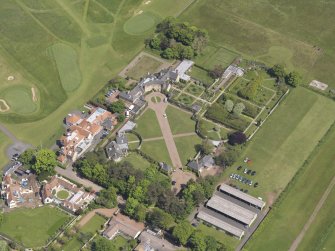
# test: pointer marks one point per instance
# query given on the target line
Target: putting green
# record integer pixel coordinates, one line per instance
(66, 59)
(139, 24)
(19, 99)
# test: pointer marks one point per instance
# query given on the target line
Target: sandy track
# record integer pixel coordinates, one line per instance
(318, 207)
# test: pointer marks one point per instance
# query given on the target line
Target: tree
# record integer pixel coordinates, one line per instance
(206, 146)
(182, 232)
(238, 108)
(229, 105)
(216, 72)
(168, 53)
(3, 246)
(293, 79)
(278, 71)
(159, 218)
(27, 157)
(45, 160)
(200, 41)
(237, 138)
(155, 43)
(121, 118)
(117, 107)
(107, 197)
(186, 52)
(131, 206)
(102, 244)
(213, 245)
(228, 157)
(197, 241)
(140, 213)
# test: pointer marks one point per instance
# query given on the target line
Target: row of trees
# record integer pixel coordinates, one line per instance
(237, 109)
(292, 78)
(178, 40)
(142, 189)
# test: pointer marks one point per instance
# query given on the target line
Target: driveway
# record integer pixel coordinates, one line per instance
(17, 147)
(70, 174)
(159, 109)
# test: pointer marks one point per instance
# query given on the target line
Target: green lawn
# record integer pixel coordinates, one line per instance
(157, 150)
(147, 125)
(92, 227)
(137, 160)
(62, 194)
(180, 121)
(287, 138)
(229, 242)
(186, 147)
(207, 129)
(143, 66)
(5, 142)
(263, 30)
(215, 55)
(103, 50)
(33, 227)
(201, 75)
(298, 203)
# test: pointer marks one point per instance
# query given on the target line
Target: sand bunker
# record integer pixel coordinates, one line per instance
(34, 96)
(139, 12)
(147, 2)
(10, 78)
(318, 85)
(4, 107)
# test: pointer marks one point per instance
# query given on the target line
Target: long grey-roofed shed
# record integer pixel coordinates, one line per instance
(242, 196)
(216, 221)
(231, 210)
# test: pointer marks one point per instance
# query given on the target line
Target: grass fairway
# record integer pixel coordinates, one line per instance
(180, 121)
(298, 203)
(143, 66)
(157, 150)
(30, 28)
(19, 99)
(186, 147)
(67, 64)
(5, 142)
(33, 227)
(273, 32)
(147, 125)
(279, 148)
